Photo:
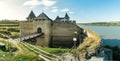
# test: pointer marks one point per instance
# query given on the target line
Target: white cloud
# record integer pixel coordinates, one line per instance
(71, 12)
(48, 2)
(65, 10)
(33, 3)
(54, 7)
(54, 10)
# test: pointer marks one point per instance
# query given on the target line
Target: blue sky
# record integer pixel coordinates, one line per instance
(80, 10)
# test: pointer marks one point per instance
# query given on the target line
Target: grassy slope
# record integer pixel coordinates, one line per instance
(22, 54)
(9, 22)
(10, 28)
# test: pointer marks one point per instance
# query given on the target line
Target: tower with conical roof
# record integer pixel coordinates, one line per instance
(42, 16)
(67, 18)
(31, 16)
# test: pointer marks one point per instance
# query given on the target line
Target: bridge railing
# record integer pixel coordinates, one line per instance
(30, 36)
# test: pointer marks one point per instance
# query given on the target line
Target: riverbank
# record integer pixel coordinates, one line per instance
(90, 44)
(110, 38)
(109, 35)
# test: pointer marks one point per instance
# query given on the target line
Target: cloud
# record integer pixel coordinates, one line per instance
(65, 10)
(48, 2)
(54, 7)
(55, 10)
(71, 12)
(34, 3)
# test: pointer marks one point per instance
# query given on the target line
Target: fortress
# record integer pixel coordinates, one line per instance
(56, 33)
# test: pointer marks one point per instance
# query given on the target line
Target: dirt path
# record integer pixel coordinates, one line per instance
(15, 43)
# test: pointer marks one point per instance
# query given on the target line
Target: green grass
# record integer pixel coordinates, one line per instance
(24, 55)
(8, 31)
(4, 36)
(28, 55)
(9, 28)
(9, 22)
(57, 51)
(6, 56)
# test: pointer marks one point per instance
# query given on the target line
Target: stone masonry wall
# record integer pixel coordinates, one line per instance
(26, 28)
(63, 33)
(45, 25)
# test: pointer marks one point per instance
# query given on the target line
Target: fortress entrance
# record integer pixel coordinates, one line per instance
(39, 30)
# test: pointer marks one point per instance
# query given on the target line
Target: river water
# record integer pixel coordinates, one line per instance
(110, 34)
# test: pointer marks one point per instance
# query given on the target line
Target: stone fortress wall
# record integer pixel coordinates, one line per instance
(63, 32)
(57, 33)
(26, 28)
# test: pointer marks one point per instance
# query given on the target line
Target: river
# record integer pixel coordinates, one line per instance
(110, 35)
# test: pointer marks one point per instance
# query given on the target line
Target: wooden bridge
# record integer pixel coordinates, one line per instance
(22, 38)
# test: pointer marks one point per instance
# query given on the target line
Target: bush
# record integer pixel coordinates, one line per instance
(6, 33)
(15, 34)
(3, 36)
(12, 30)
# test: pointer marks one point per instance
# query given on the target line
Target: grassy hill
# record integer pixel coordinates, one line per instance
(9, 28)
(9, 22)
(27, 52)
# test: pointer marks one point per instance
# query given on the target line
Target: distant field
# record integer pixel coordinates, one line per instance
(101, 24)
(9, 22)
(9, 29)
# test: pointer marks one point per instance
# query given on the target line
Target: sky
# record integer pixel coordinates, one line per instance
(83, 11)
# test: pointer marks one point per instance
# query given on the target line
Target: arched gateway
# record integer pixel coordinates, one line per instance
(39, 30)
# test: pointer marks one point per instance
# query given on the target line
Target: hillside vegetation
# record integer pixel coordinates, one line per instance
(90, 45)
(101, 24)
(9, 28)
(28, 52)
(21, 54)
(9, 22)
